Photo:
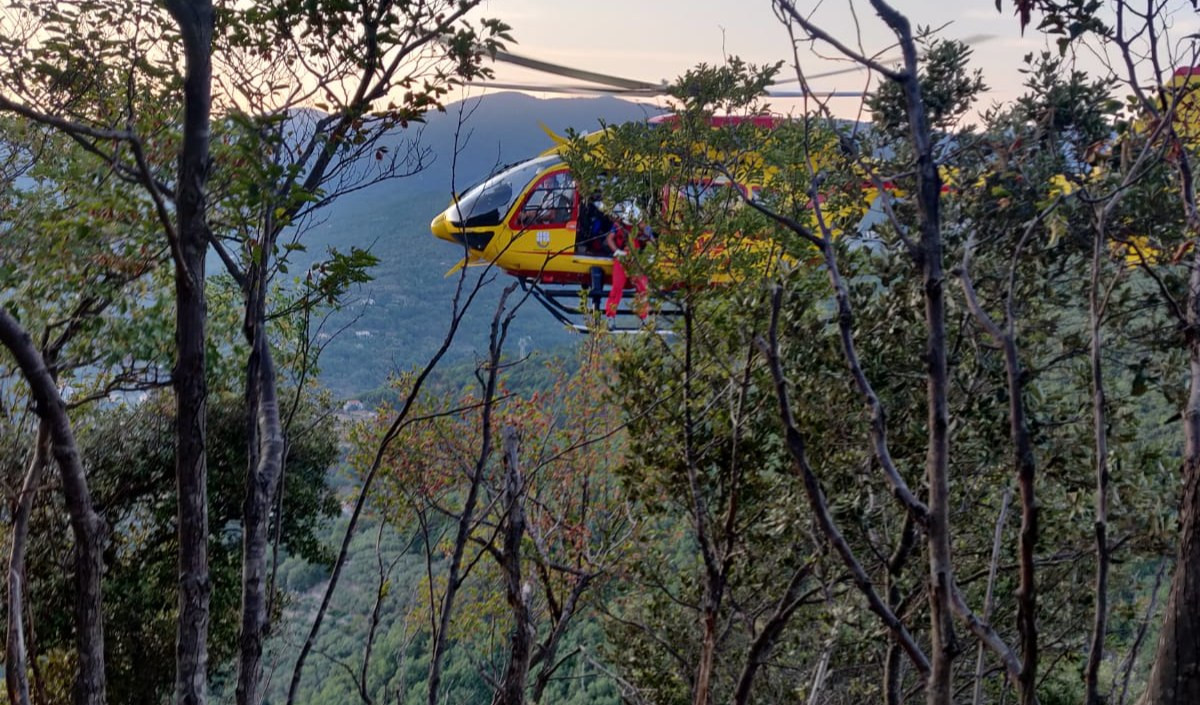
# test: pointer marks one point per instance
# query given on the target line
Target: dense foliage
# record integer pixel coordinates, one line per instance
(903, 421)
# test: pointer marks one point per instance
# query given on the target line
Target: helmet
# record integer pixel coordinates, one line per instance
(627, 212)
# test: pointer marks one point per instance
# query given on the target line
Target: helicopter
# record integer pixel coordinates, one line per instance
(535, 222)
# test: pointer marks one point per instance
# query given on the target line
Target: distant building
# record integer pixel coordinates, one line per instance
(353, 405)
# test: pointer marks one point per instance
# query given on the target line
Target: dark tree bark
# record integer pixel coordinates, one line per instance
(547, 652)
(88, 528)
(1026, 467)
(893, 665)
(512, 690)
(989, 595)
(265, 457)
(1175, 677)
(714, 567)
(189, 246)
(928, 256)
(764, 643)
(1024, 462)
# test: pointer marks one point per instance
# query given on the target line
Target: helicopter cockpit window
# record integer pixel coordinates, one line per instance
(488, 203)
(550, 202)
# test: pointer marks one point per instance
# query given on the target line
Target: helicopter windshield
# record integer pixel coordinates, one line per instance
(487, 203)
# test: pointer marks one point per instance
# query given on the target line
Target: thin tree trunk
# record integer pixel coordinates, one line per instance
(818, 684)
(714, 573)
(261, 482)
(15, 661)
(549, 651)
(1175, 677)
(38, 694)
(195, 21)
(893, 665)
(1091, 677)
(512, 691)
(1027, 592)
(988, 600)
(1025, 465)
(466, 519)
(708, 649)
(88, 528)
(943, 646)
(819, 506)
(1136, 647)
(264, 467)
(382, 588)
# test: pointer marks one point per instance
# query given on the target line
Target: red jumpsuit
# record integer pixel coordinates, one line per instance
(619, 276)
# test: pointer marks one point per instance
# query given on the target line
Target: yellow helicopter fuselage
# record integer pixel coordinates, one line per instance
(525, 220)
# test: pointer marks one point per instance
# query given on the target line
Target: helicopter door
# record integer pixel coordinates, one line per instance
(545, 223)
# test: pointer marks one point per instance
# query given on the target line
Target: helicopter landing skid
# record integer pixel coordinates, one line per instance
(583, 312)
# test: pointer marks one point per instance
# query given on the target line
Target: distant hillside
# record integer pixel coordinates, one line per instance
(402, 315)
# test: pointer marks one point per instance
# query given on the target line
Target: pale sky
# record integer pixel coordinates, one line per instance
(653, 40)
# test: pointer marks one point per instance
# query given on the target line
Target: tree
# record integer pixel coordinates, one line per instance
(88, 528)
(128, 456)
(551, 523)
(392, 52)
(43, 70)
(294, 164)
(1147, 55)
(844, 370)
(62, 209)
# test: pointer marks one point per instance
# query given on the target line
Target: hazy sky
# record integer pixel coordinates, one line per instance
(659, 39)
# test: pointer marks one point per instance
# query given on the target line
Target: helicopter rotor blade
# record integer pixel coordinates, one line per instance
(578, 89)
(972, 40)
(617, 85)
(815, 94)
(571, 89)
(578, 74)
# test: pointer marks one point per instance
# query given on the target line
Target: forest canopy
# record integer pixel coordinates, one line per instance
(912, 410)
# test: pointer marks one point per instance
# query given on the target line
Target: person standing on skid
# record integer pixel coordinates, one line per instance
(627, 232)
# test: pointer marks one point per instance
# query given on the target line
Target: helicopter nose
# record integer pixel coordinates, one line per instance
(442, 229)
